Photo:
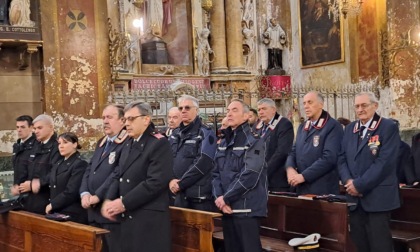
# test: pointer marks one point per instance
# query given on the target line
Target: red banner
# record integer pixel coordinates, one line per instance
(161, 82)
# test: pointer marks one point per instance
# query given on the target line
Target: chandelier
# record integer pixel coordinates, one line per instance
(346, 7)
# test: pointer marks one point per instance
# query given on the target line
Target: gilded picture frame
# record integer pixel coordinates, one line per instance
(321, 36)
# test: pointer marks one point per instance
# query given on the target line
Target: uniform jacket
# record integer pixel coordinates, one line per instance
(280, 142)
(145, 172)
(372, 164)
(21, 152)
(415, 153)
(41, 160)
(193, 148)
(240, 176)
(66, 177)
(405, 165)
(103, 167)
(314, 155)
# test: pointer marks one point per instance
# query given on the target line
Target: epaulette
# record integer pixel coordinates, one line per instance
(259, 125)
(121, 137)
(157, 135)
(103, 141)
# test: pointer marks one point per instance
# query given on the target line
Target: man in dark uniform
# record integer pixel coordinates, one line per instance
(239, 182)
(139, 195)
(21, 149)
(43, 155)
(100, 172)
(193, 146)
(368, 166)
(280, 142)
(312, 163)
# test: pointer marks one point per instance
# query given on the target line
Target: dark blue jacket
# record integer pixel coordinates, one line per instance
(279, 144)
(240, 176)
(99, 174)
(193, 148)
(372, 164)
(314, 155)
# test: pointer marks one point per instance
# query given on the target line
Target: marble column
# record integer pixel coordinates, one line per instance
(235, 57)
(218, 34)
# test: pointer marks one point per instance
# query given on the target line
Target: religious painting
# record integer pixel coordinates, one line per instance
(321, 35)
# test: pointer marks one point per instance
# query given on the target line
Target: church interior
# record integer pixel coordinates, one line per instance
(71, 58)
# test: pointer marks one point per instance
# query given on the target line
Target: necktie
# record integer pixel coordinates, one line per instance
(265, 127)
(360, 138)
(107, 146)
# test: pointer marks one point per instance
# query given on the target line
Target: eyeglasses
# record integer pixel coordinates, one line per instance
(132, 118)
(363, 105)
(187, 108)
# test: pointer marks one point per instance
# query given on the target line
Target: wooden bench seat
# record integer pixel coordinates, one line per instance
(192, 230)
(267, 243)
(290, 217)
(24, 231)
(405, 221)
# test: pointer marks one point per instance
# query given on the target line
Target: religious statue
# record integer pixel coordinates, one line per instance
(248, 41)
(275, 39)
(19, 13)
(203, 51)
(159, 16)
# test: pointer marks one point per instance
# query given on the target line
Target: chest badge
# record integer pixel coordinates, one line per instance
(374, 144)
(315, 141)
(111, 158)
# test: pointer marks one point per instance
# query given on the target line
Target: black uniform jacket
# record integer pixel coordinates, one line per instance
(41, 160)
(21, 152)
(145, 172)
(66, 177)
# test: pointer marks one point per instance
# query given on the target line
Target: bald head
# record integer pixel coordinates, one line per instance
(174, 118)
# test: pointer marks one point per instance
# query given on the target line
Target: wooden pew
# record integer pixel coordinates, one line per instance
(192, 230)
(24, 231)
(290, 217)
(405, 221)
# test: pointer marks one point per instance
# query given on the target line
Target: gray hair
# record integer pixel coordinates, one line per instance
(245, 106)
(318, 95)
(119, 107)
(372, 96)
(143, 107)
(267, 101)
(44, 118)
(188, 98)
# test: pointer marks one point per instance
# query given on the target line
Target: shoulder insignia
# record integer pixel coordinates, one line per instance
(157, 135)
(259, 125)
(121, 137)
(103, 141)
(273, 125)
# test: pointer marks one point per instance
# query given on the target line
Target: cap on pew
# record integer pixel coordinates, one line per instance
(306, 243)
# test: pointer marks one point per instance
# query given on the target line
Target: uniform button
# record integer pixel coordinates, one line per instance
(94, 173)
(121, 197)
(121, 180)
(122, 215)
(49, 186)
(130, 217)
(128, 181)
(54, 186)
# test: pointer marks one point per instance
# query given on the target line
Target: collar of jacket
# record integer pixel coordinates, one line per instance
(244, 127)
(373, 124)
(191, 127)
(71, 159)
(320, 123)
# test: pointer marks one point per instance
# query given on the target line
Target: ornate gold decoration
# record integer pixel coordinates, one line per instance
(396, 51)
(118, 43)
(207, 4)
(138, 3)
